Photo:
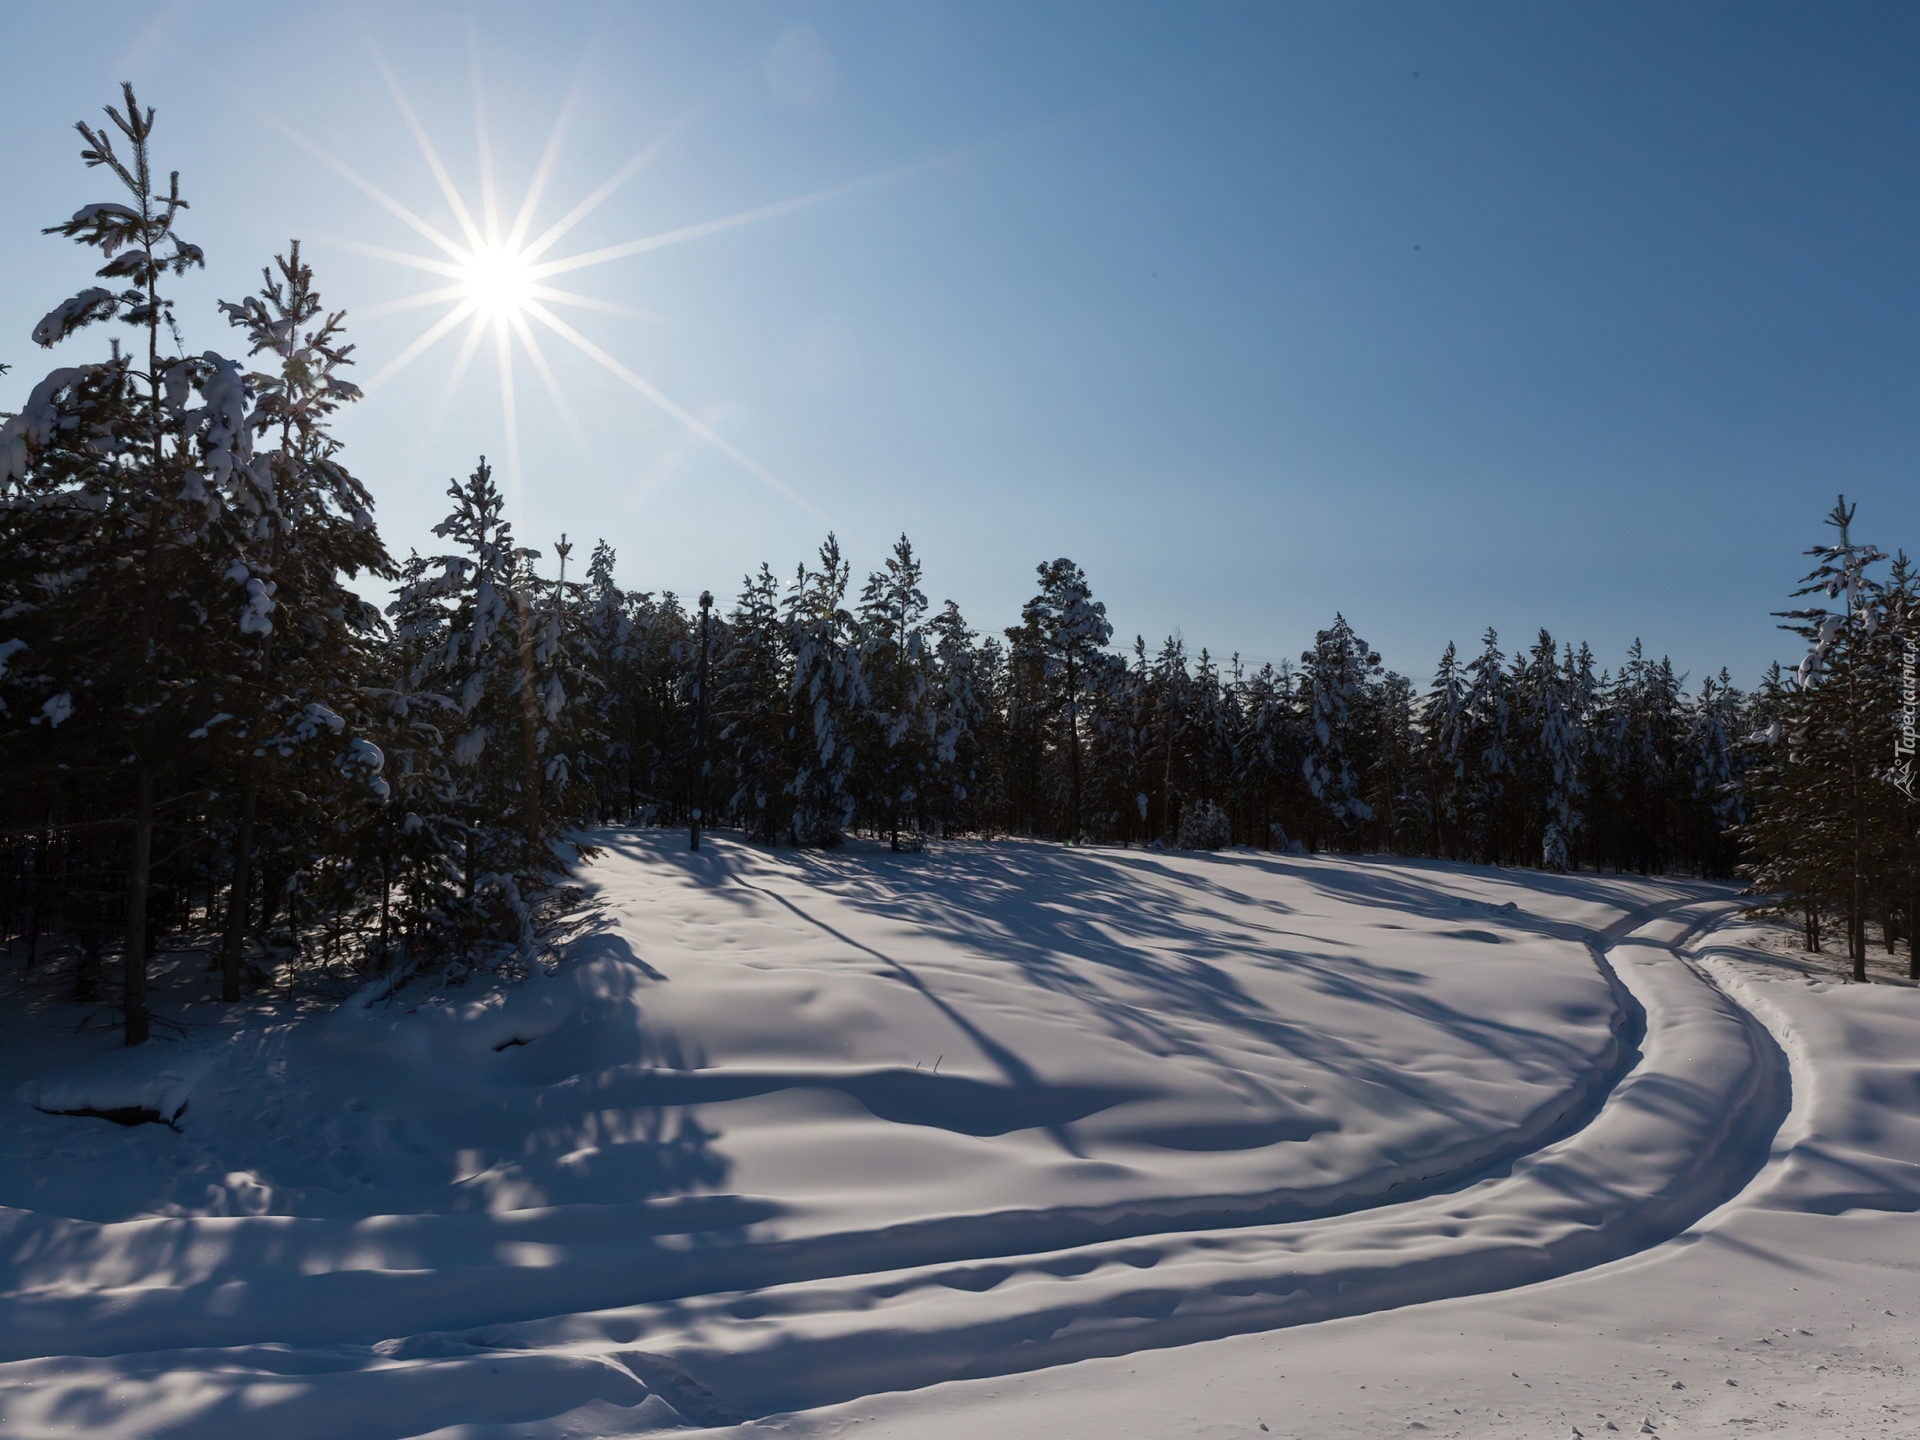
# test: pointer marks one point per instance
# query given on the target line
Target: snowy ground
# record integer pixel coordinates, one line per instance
(1003, 1139)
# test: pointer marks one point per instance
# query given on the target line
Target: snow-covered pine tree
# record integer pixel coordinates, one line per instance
(1123, 750)
(959, 711)
(1487, 720)
(298, 527)
(1334, 672)
(610, 630)
(1392, 778)
(417, 841)
(895, 743)
(1898, 820)
(1069, 630)
(1551, 750)
(1842, 710)
(504, 661)
(1712, 747)
(1210, 739)
(828, 697)
(1443, 721)
(117, 480)
(1172, 712)
(993, 804)
(1270, 750)
(752, 711)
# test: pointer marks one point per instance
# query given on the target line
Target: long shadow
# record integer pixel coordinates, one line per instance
(1069, 921)
(1058, 907)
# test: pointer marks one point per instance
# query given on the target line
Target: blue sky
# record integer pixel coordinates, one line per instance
(1439, 315)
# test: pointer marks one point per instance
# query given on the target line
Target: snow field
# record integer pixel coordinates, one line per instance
(1787, 1311)
(1177, 1097)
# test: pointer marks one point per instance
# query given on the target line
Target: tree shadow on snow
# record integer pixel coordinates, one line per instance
(1157, 949)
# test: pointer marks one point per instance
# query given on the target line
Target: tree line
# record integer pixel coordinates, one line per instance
(1831, 831)
(203, 724)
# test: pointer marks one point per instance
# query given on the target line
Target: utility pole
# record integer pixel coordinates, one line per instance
(700, 724)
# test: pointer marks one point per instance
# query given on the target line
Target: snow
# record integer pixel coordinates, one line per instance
(1002, 1138)
(69, 315)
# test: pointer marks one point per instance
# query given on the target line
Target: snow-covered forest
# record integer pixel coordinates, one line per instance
(206, 719)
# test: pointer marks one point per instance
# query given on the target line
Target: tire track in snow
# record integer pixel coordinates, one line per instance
(1686, 1127)
(1685, 1131)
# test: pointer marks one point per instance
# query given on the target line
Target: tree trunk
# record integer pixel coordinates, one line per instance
(38, 885)
(529, 727)
(235, 939)
(1913, 925)
(700, 728)
(1073, 742)
(136, 938)
(1857, 916)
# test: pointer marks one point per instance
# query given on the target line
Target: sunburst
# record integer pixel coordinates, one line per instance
(496, 281)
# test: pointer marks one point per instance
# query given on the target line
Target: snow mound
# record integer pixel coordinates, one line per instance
(132, 1086)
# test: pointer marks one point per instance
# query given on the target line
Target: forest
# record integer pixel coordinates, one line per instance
(232, 718)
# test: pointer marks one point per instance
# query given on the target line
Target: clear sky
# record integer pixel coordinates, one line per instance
(1442, 315)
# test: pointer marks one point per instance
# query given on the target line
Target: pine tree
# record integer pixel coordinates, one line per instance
(302, 521)
(1335, 672)
(1556, 746)
(751, 702)
(118, 481)
(1067, 628)
(1836, 677)
(504, 658)
(897, 740)
(1444, 720)
(609, 630)
(827, 696)
(959, 711)
(1487, 751)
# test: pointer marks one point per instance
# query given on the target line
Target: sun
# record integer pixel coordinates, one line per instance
(494, 279)
(498, 282)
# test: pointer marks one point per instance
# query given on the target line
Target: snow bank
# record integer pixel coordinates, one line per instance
(125, 1085)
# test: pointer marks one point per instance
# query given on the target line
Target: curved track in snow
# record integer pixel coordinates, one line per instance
(1700, 1088)
(1686, 1128)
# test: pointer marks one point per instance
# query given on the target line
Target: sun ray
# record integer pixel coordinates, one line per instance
(401, 257)
(489, 201)
(432, 156)
(412, 302)
(554, 232)
(476, 332)
(589, 302)
(699, 427)
(712, 227)
(503, 347)
(366, 187)
(498, 279)
(540, 367)
(419, 347)
(538, 185)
